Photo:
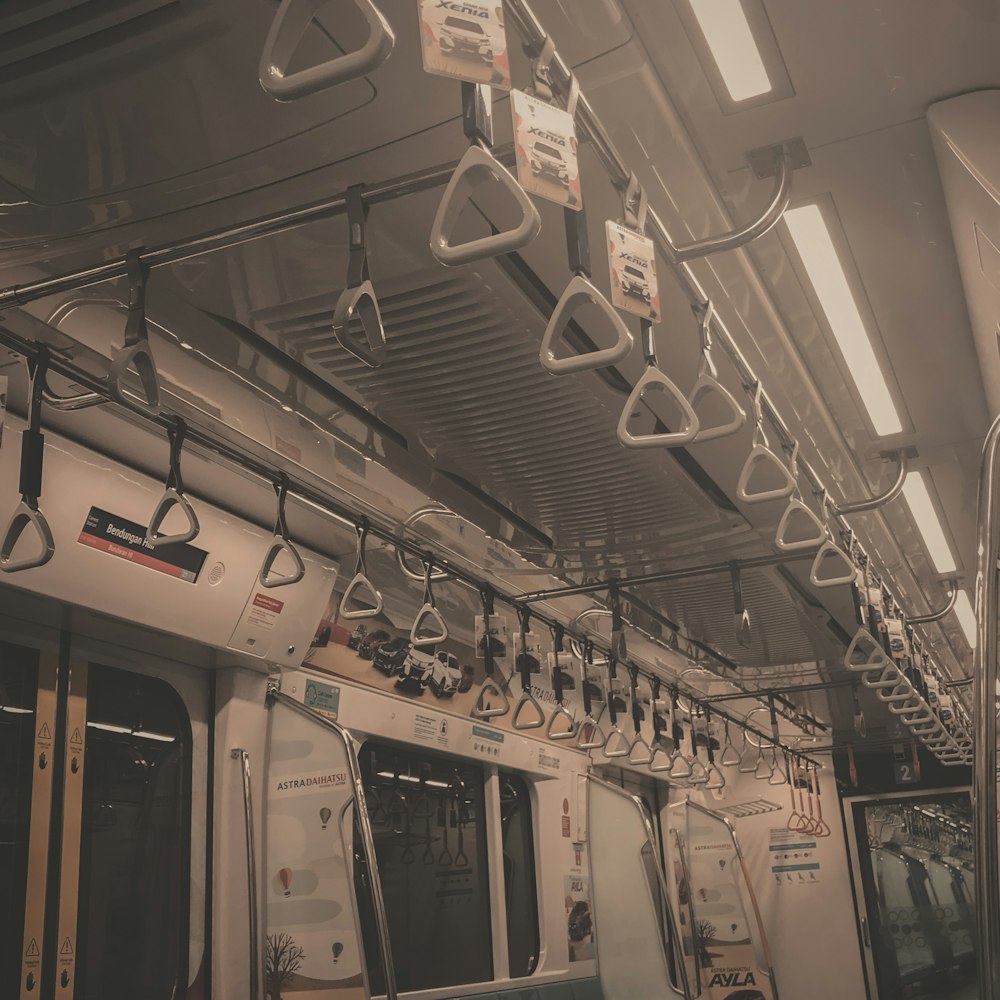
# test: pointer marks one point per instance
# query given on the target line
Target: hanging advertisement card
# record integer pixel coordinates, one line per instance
(545, 141)
(498, 637)
(632, 260)
(465, 39)
(579, 920)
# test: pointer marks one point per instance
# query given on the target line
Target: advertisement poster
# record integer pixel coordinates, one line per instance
(632, 260)
(715, 919)
(465, 39)
(449, 675)
(312, 945)
(579, 920)
(545, 140)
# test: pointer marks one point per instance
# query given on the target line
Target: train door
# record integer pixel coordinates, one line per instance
(103, 772)
(910, 854)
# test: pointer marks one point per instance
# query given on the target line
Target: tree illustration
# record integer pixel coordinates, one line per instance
(706, 931)
(282, 960)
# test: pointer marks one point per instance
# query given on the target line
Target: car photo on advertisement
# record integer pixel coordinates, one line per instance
(445, 676)
(415, 672)
(355, 638)
(371, 642)
(547, 161)
(634, 283)
(390, 655)
(460, 36)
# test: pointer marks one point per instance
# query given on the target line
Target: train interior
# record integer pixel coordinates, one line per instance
(397, 598)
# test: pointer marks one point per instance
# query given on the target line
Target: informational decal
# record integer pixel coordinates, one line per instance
(465, 39)
(498, 636)
(794, 858)
(545, 141)
(431, 729)
(579, 919)
(126, 539)
(325, 698)
(632, 260)
(487, 741)
(253, 631)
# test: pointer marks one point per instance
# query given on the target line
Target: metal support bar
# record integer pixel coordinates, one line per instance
(984, 795)
(936, 616)
(687, 573)
(873, 503)
(238, 753)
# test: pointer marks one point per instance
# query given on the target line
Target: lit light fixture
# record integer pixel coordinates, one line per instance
(727, 32)
(929, 524)
(966, 617)
(819, 257)
(145, 734)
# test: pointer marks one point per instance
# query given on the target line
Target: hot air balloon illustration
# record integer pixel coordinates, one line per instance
(337, 949)
(324, 816)
(722, 864)
(703, 894)
(734, 926)
(285, 877)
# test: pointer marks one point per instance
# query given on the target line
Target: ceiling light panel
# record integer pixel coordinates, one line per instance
(921, 506)
(730, 40)
(815, 247)
(966, 617)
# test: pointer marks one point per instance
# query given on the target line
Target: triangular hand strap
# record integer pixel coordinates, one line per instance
(561, 712)
(581, 291)
(830, 554)
(707, 385)
(639, 753)
(888, 678)
(595, 740)
(617, 744)
(660, 760)
(428, 615)
(653, 377)
(279, 545)
(489, 690)
(23, 516)
(864, 652)
(135, 352)
(760, 455)
(476, 166)
(527, 700)
(360, 301)
(730, 756)
(363, 584)
(744, 633)
(716, 779)
(287, 30)
(798, 511)
(172, 498)
(680, 769)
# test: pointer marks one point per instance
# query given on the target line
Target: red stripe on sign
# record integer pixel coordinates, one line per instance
(268, 603)
(139, 558)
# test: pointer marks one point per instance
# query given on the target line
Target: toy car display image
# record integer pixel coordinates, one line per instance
(355, 639)
(390, 655)
(371, 642)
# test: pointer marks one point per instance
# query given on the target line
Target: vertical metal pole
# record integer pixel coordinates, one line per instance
(238, 753)
(984, 796)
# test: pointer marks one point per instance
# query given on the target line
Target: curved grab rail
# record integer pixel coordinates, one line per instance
(936, 616)
(476, 166)
(27, 512)
(287, 29)
(764, 223)
(873, 503)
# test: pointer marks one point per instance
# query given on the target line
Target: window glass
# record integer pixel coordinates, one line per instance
(132, 934)
(427, 815)
(519, 875)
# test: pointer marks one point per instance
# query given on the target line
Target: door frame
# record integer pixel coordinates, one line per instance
(854, 855)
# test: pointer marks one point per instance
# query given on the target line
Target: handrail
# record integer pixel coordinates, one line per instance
(238, 753)
(984, 797)
(936, 616)
(364, 827)
(873, 503)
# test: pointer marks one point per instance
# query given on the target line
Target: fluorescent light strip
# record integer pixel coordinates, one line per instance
(727, 31)
(966, 617)
(819, 257)
(922, 508)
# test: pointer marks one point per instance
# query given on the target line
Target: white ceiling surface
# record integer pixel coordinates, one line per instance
(863, 77)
